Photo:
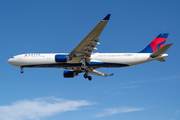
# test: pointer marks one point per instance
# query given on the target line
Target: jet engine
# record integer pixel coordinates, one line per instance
(69, 74)
(62, 58)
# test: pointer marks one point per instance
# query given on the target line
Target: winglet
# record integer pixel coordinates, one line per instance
(107, 17)
(112, 74)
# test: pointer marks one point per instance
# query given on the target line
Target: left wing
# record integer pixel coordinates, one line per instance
(88, 44)
(95, 72)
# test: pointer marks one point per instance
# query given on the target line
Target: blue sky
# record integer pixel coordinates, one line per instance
(147, 91)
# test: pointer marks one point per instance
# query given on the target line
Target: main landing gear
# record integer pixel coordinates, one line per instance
(86, 68)
(21, 70)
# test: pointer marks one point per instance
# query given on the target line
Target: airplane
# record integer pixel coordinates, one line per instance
(82, 59)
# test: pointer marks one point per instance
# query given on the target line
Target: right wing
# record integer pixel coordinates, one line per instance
(95, 72)
(88, 44)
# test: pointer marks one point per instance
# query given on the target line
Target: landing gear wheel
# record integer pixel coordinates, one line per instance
(85, 75)
(22, 71)
(89, 78)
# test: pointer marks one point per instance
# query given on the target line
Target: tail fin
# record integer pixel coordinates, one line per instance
(156, 44)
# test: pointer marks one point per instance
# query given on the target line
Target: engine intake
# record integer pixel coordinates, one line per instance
(69, 74)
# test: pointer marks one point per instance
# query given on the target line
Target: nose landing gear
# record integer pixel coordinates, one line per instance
(21, 70)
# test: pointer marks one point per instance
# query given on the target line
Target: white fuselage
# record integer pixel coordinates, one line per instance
(97, 60)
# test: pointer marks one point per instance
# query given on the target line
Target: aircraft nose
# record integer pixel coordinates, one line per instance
(13, 61)
(9, 61)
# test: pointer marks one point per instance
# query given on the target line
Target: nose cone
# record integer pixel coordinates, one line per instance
(14, 61)
(9, 61)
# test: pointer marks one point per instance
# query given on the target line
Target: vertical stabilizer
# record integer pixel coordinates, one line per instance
(156, 44)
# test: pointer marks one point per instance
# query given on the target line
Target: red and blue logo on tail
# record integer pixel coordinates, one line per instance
(156, 44)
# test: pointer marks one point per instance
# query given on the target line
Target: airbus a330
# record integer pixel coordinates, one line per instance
(82, 59)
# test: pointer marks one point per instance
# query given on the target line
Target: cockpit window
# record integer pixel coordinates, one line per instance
(12, 57)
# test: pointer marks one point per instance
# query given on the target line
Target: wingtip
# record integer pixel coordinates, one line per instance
(171, 43)
(112, 74)
(107, 17)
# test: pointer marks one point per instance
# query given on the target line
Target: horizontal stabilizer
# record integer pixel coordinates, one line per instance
(161, 59)
(161, 51)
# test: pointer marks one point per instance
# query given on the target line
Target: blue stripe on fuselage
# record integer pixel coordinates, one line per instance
(92, 64)
(101, 64)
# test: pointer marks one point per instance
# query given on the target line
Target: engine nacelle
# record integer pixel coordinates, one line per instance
(69, 74)
(62, 58)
